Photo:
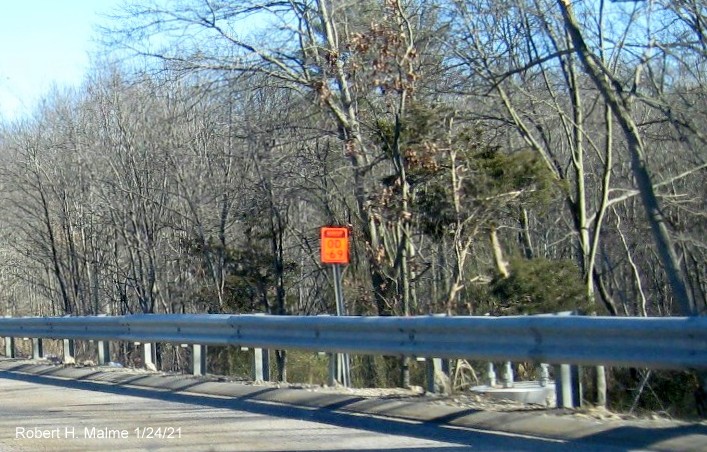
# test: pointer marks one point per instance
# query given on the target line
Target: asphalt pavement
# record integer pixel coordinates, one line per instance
(49, 407)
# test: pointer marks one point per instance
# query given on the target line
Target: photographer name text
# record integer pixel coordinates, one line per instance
(98, 433)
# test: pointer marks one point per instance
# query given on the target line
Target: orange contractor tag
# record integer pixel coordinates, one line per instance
(334, 243)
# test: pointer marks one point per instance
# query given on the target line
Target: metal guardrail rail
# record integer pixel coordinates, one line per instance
(665, 342)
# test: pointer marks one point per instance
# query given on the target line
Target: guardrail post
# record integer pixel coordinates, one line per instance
(9, 344)
(261, 364)
(568, 389)
(544, 375)
(9, 347)
(490, 375)
(69, 351)
(339, 370)
(576, 385)
(508, 375)
(431, 365)
(331, 381)
(103, 352)
(37, 349)
(437, 375)
(198, 359)
(149, 355)
(333, 365)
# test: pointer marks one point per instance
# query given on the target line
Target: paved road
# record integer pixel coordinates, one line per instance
(68, 415)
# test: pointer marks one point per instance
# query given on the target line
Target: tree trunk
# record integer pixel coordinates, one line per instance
(500, 263)
(621, 109)
(639, 167)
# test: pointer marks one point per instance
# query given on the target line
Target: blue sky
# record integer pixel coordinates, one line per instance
(44, 42)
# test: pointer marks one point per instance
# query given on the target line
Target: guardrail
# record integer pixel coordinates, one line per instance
(665, 342)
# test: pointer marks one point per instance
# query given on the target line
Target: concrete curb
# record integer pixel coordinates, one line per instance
(553, 424)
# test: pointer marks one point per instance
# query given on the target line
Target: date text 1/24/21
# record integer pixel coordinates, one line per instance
(158, 432)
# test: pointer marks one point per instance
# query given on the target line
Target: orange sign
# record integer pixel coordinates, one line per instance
(334, 243)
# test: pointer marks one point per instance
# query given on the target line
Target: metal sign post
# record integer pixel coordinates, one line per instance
(344, 365)
(335, 251)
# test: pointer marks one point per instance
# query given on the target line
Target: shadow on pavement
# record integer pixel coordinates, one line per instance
(619, 438)
(694, 437)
